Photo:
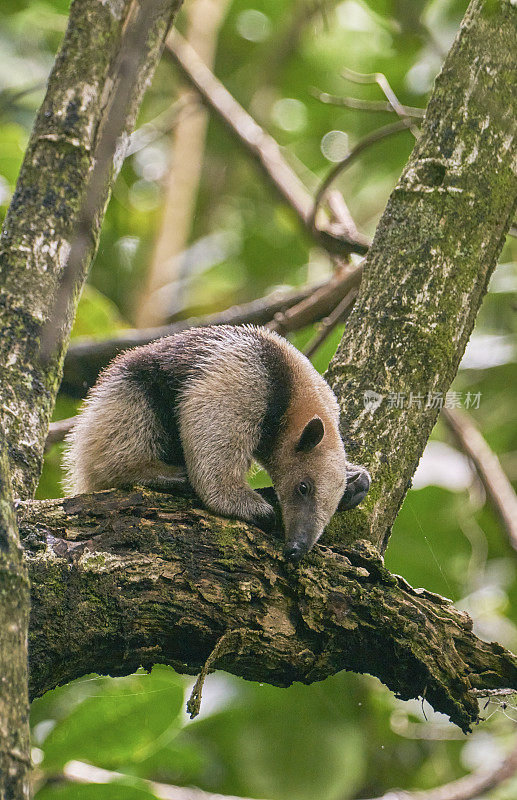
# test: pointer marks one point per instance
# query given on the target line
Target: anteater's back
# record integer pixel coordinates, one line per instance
(204, 389)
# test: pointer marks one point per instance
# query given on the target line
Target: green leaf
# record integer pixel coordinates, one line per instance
(97, 316)
(124, 722)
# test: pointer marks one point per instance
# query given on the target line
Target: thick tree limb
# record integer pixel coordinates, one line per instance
(46, 209)
(429, 265)
(123, 580)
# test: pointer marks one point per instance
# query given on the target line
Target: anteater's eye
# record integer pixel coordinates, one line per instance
(303, 489)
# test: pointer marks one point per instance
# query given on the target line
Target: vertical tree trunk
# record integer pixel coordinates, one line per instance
(429, 265)
(39, 228)
(14, 623)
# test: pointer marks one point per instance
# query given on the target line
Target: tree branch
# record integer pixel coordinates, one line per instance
(467, 788)
(46, 208)
(499, 490)
(87, 357)
(381, 80)
(143, 578)
(187, 146)
(365, 105)
(260, 145)
(375, 136)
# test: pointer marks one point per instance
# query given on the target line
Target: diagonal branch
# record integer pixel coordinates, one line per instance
(429, 265)
(290, 310)
(467, 788)
(499, 490)
(375, 136)
(260, 145)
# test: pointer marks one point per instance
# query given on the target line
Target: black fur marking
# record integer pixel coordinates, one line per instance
(312, 435)
(279, 392)
(160, 370)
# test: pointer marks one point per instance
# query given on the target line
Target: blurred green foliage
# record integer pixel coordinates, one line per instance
(347, 736)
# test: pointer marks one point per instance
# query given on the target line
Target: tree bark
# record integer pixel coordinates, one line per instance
(429, 265)
(39, 229)
(14, 622)
(123, 580)
(46, 207)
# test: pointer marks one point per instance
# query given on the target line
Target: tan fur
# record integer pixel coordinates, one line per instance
(219, 419)
(100, 453)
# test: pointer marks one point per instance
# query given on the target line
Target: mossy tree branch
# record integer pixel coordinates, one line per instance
(61, 162)
(123, 580)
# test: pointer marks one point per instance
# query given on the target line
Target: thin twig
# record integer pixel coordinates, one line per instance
(381, 80)
(467, 788)
(162, 124)
(482, 693)
(366, 141)
(58, 430)
(258, 143)
(327, 325)
(499, 490)
(320, 303)
(222, 646)
(365, 105)
(140, 23)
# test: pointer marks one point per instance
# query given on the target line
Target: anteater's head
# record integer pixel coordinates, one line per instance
(312, 480)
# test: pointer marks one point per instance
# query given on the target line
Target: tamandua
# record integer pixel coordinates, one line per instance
(202, 405)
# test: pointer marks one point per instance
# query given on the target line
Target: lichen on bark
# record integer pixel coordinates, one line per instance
(14, 621)
(36, 238)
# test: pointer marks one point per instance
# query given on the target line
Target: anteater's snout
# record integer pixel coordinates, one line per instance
(295, 551)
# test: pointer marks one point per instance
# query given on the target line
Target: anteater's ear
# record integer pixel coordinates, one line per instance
(312, 435)
(357, 485)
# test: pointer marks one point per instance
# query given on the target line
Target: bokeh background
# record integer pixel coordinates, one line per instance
(346, 737)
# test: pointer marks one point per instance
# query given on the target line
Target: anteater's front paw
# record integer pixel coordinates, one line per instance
(265, 519)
